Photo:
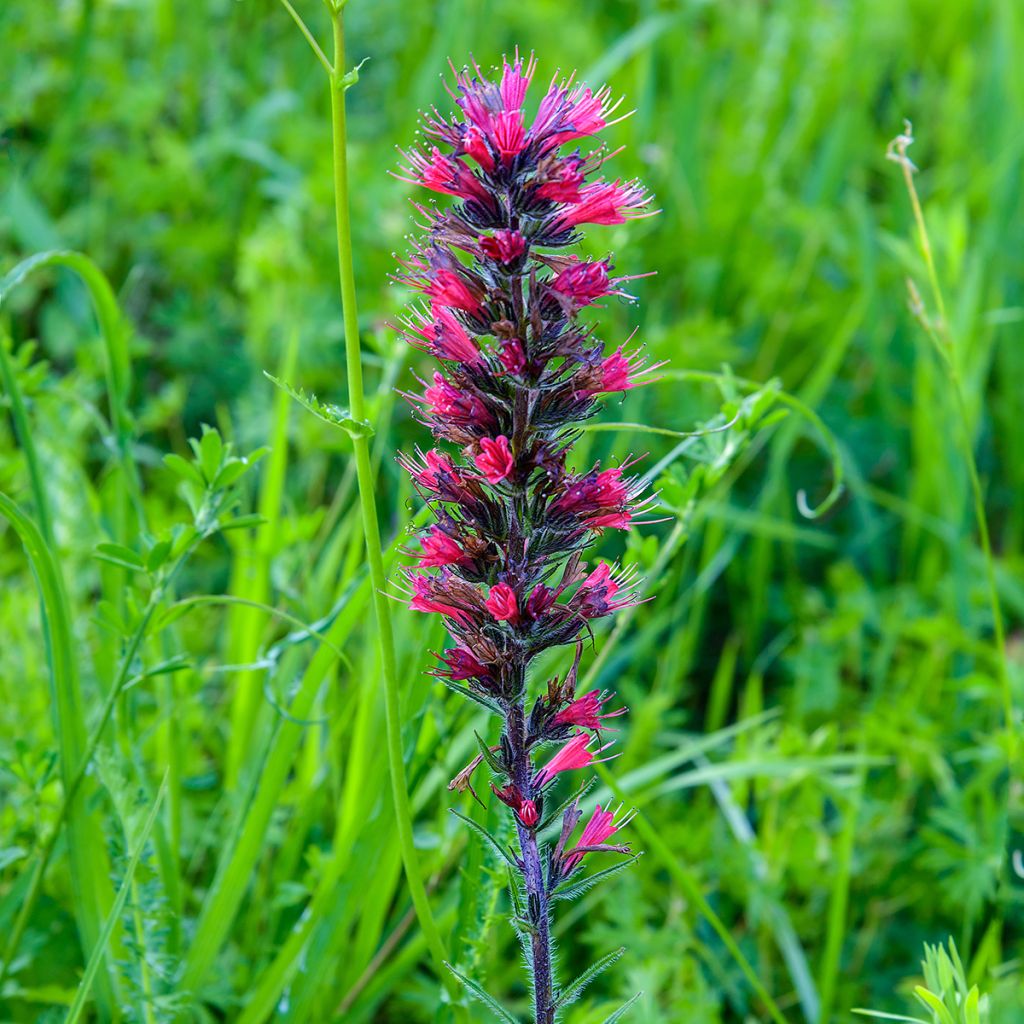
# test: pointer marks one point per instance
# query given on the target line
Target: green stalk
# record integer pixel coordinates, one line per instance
(946, 348)
(73, 781)
(91, 890)
(371, 529)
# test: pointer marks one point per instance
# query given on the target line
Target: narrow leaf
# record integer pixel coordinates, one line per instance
(570, 890)
(85, 986)
(489, 756)
(480, 699)
(572, 992)
(487, 837)
(618, 1014)
(478, 993)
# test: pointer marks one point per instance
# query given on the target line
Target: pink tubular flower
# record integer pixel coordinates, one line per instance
(583, 282)
(585, 711)
(502, 603)
(428, 596)
(474, 145)
(495, 459)
(515, 80)
(512, 356)
(450, 289)
(462, 665)
(601, 826)
(440, 549)
(509, 135)
(561, 181)
(505, 245)
(615, 372)
(573, 755)
(524, 807)
(445, 337)
(603, 202)
(445, 174)
(602, 499)
(596, 594)
(445, 400)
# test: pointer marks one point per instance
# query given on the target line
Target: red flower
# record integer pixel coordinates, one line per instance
(428, 597)
(450, 289)
(603, 202)
(615, 371)
(462, 665)
(502, 603)
(445, 174)
(445, 337)
(596, 594)
(573, 755)
(583, 282)
(495, 459)
(505, 245)
(446, 401)
(475, 146)
(523, 806)
(585, 711)
(440, 549)
(512, 356)
(508, 135)
(561, 182)
(600, 827)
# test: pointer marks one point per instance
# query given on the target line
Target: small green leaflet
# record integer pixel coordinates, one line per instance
(478, 993)
(617, 1015)
(487, 837)
(326, 411)
(572, 992)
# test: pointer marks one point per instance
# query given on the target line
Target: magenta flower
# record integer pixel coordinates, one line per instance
(440, 549)
(504, 562)
(502, 603)
(572, 756)
(495, 459)
(524, 807)
(600, 827)
(504, 246)
(585, 711)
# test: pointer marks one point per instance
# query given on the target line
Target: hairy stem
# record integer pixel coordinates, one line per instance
(533, 870)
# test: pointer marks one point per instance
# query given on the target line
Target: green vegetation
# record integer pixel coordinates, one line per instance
(196, 813)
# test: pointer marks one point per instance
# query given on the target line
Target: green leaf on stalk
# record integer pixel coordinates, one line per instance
(569, 890)
(326, 411)
(489, 756)
(487, 837)
(617, 1015)
(184, 469)
(479, 698)
(478, 993)
(572, 992)
(118, 554)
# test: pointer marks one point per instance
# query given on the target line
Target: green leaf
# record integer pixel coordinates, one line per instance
(326, 411)
(572, 992)
(569, 890)
(243, 522)
(479, 698)
(114, 916)
(487, 837)
(488, 1000)
(184, 469)
(618, 1014)
(489, 756)
(210, 451)
(117, 554)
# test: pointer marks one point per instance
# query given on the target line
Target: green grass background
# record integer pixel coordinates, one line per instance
(817, 732)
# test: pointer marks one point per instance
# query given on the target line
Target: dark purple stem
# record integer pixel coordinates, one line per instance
(533, 872)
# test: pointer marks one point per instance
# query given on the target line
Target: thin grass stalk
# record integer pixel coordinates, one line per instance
(371, 528)
(944, 343)
(73, 780)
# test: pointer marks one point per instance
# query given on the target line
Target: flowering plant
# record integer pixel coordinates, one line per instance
(502, 562)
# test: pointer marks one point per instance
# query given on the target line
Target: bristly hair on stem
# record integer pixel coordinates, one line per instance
(502, 563)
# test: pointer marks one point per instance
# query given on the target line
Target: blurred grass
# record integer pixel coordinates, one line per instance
(187, 152)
